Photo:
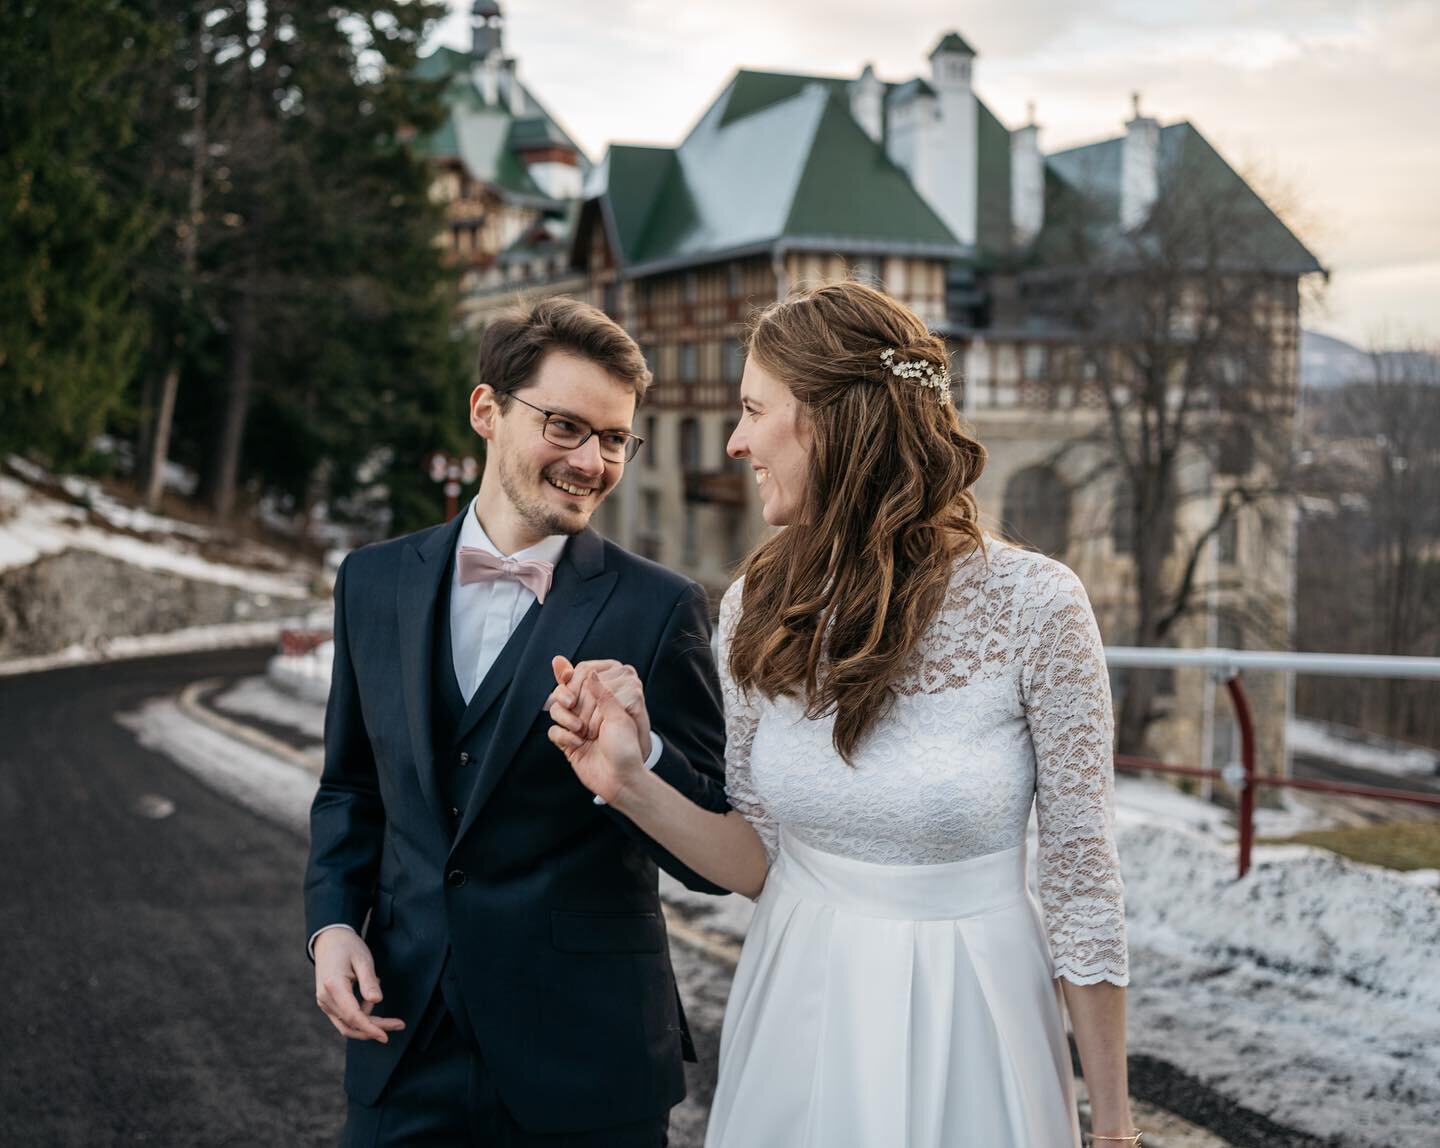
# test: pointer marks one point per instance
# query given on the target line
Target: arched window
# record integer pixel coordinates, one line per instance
(1037, 509)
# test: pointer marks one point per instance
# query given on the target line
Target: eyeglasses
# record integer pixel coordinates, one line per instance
(570, 433)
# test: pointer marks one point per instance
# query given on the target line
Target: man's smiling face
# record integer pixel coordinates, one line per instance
(551, 490)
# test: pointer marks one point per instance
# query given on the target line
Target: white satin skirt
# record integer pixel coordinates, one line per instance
(894, 1006)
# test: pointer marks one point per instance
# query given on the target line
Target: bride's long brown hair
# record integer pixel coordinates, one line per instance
(834, 604)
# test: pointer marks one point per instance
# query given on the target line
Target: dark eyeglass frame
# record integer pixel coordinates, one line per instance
(633, 442)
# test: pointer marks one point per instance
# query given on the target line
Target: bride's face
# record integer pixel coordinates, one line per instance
(773, 435)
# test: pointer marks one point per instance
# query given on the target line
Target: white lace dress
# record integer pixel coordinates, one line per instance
(898, 985)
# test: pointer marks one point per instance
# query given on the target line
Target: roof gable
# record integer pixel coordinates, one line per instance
(1087, 180)
(775, 157)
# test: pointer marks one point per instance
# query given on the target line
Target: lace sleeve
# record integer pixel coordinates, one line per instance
(741, 717)
(1067, 704)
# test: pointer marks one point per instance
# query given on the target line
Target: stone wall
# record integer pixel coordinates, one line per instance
(77, 597)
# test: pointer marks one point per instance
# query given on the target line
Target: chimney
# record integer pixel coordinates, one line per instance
(867, 103)
(1027, 182)
(1139, 168)
(953, 188)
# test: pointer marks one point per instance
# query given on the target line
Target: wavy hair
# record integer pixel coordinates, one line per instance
(834, 604)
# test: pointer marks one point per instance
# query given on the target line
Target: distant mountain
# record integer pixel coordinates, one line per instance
(1326, 361)
(1329, 362)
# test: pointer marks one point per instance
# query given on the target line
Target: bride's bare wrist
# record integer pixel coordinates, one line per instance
(631, 791)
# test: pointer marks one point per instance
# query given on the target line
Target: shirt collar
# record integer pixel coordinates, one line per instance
(548, 549)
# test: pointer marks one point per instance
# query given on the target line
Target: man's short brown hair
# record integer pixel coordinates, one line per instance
(515, 342)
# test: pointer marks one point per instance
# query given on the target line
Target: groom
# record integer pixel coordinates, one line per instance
(501, 927)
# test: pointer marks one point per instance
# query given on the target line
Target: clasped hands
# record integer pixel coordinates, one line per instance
(601, 724)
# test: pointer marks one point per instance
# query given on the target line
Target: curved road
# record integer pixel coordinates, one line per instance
(155, 989)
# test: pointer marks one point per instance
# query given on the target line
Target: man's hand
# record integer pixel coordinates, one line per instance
(596, 725)
(342, 960)
(575, 692)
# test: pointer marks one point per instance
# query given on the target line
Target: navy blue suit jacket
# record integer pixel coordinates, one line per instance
(546, 901)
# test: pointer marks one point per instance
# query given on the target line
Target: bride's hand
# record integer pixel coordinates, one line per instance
(601, 724)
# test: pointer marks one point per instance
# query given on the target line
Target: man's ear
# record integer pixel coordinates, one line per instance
(484, 411)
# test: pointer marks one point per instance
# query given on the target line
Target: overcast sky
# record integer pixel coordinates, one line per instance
(1330, 107)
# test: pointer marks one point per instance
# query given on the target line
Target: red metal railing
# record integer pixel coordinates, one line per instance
(1226, 664)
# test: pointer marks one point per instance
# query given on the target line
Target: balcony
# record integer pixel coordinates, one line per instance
(716, 487)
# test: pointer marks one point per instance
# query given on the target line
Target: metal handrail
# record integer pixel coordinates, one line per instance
(1331, 665)
(1226, 665)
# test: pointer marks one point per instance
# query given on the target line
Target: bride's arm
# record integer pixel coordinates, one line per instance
(604, 747)
(733, 849)
(1068, 708)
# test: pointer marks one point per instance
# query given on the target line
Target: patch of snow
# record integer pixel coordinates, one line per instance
(224, 636)
(1358, 750)
(276, 790)
(258, 698)
(1305, 991)
(304, 676)
(33, 525)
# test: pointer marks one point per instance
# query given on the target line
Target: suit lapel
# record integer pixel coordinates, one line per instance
(422, 569)
(580, 589)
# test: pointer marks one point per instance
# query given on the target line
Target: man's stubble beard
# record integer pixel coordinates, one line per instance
(536, 514)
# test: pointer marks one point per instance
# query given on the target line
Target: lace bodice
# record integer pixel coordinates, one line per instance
(1005, 703)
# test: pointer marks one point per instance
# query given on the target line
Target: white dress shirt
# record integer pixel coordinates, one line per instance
(484, 616)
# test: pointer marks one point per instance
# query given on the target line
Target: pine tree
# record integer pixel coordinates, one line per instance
(70, 334)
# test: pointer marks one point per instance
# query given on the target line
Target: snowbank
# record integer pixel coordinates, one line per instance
(1346, 747)
(33, 525)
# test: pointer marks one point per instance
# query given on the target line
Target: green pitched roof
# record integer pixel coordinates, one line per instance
(993, 230)
(485, 136)
(637, 177)
(776, 157)
(1087, 179)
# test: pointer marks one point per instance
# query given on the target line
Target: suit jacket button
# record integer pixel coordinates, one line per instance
(455, 812)
(464, 759)
(455, 878)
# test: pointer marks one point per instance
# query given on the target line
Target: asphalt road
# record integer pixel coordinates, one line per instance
(153, 984)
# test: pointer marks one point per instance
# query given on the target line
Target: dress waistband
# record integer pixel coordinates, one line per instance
(945, 891)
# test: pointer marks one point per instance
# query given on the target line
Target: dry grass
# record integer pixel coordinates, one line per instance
(1399, 845)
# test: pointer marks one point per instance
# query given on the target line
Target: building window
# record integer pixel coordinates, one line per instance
(737, 281)
(1228, 540)
(737, 537)
(689, 362)
(690, 286)
(648, 544)
(651, 446)
(1037, 509)
(689, 445)
(732, 355)
(1035, 362)
(1122, 525)
(611, 304)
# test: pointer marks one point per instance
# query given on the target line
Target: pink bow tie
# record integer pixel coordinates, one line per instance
(477, 565)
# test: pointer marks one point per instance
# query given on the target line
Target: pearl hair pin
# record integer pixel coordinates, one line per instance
(920, 370)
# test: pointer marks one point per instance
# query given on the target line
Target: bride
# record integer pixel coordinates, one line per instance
(899, 690)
